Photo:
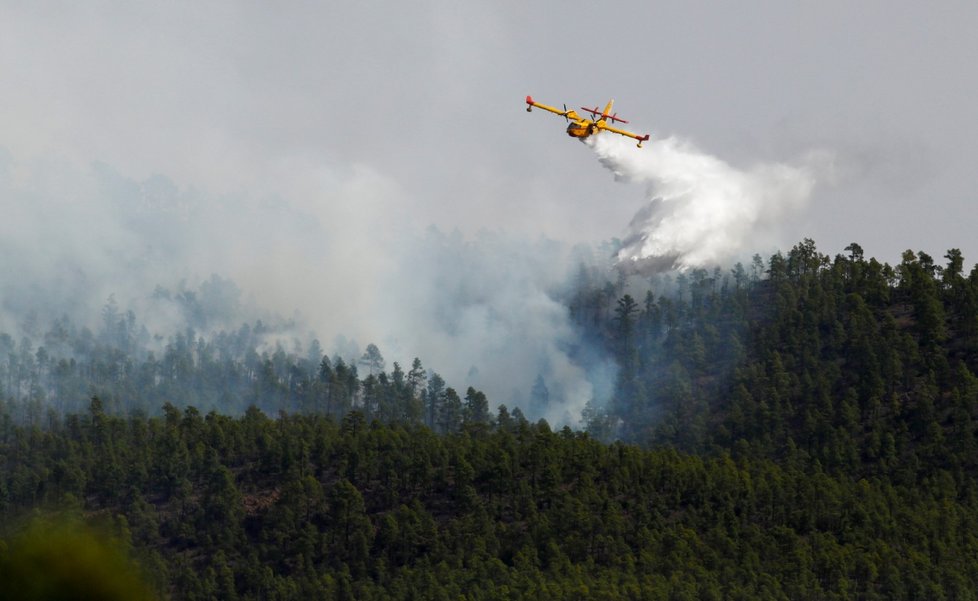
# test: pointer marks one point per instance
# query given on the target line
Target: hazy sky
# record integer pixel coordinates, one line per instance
(428, 96)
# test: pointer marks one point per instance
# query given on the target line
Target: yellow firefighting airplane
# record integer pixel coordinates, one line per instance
(582, 127)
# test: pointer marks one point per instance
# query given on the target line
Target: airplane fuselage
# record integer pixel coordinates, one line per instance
(580, 129)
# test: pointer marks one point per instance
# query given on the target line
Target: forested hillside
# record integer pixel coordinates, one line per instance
(803, 428)
(304, 507)
(847, 363)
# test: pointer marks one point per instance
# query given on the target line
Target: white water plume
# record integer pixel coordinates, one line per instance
(700, 209)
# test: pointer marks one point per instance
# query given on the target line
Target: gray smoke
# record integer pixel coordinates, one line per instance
(337, 256)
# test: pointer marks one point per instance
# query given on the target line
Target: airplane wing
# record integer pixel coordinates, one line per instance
(563, 113)
(622, 132)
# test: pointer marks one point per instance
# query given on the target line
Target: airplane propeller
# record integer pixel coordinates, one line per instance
(566, 118)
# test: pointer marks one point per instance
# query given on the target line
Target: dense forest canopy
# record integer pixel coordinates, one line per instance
(804, 428)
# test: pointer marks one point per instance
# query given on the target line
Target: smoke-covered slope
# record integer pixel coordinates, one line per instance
(332, 258)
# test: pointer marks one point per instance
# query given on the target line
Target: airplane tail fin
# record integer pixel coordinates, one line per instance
(606, 113)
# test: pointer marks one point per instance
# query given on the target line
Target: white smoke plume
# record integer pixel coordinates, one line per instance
(701, 210)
